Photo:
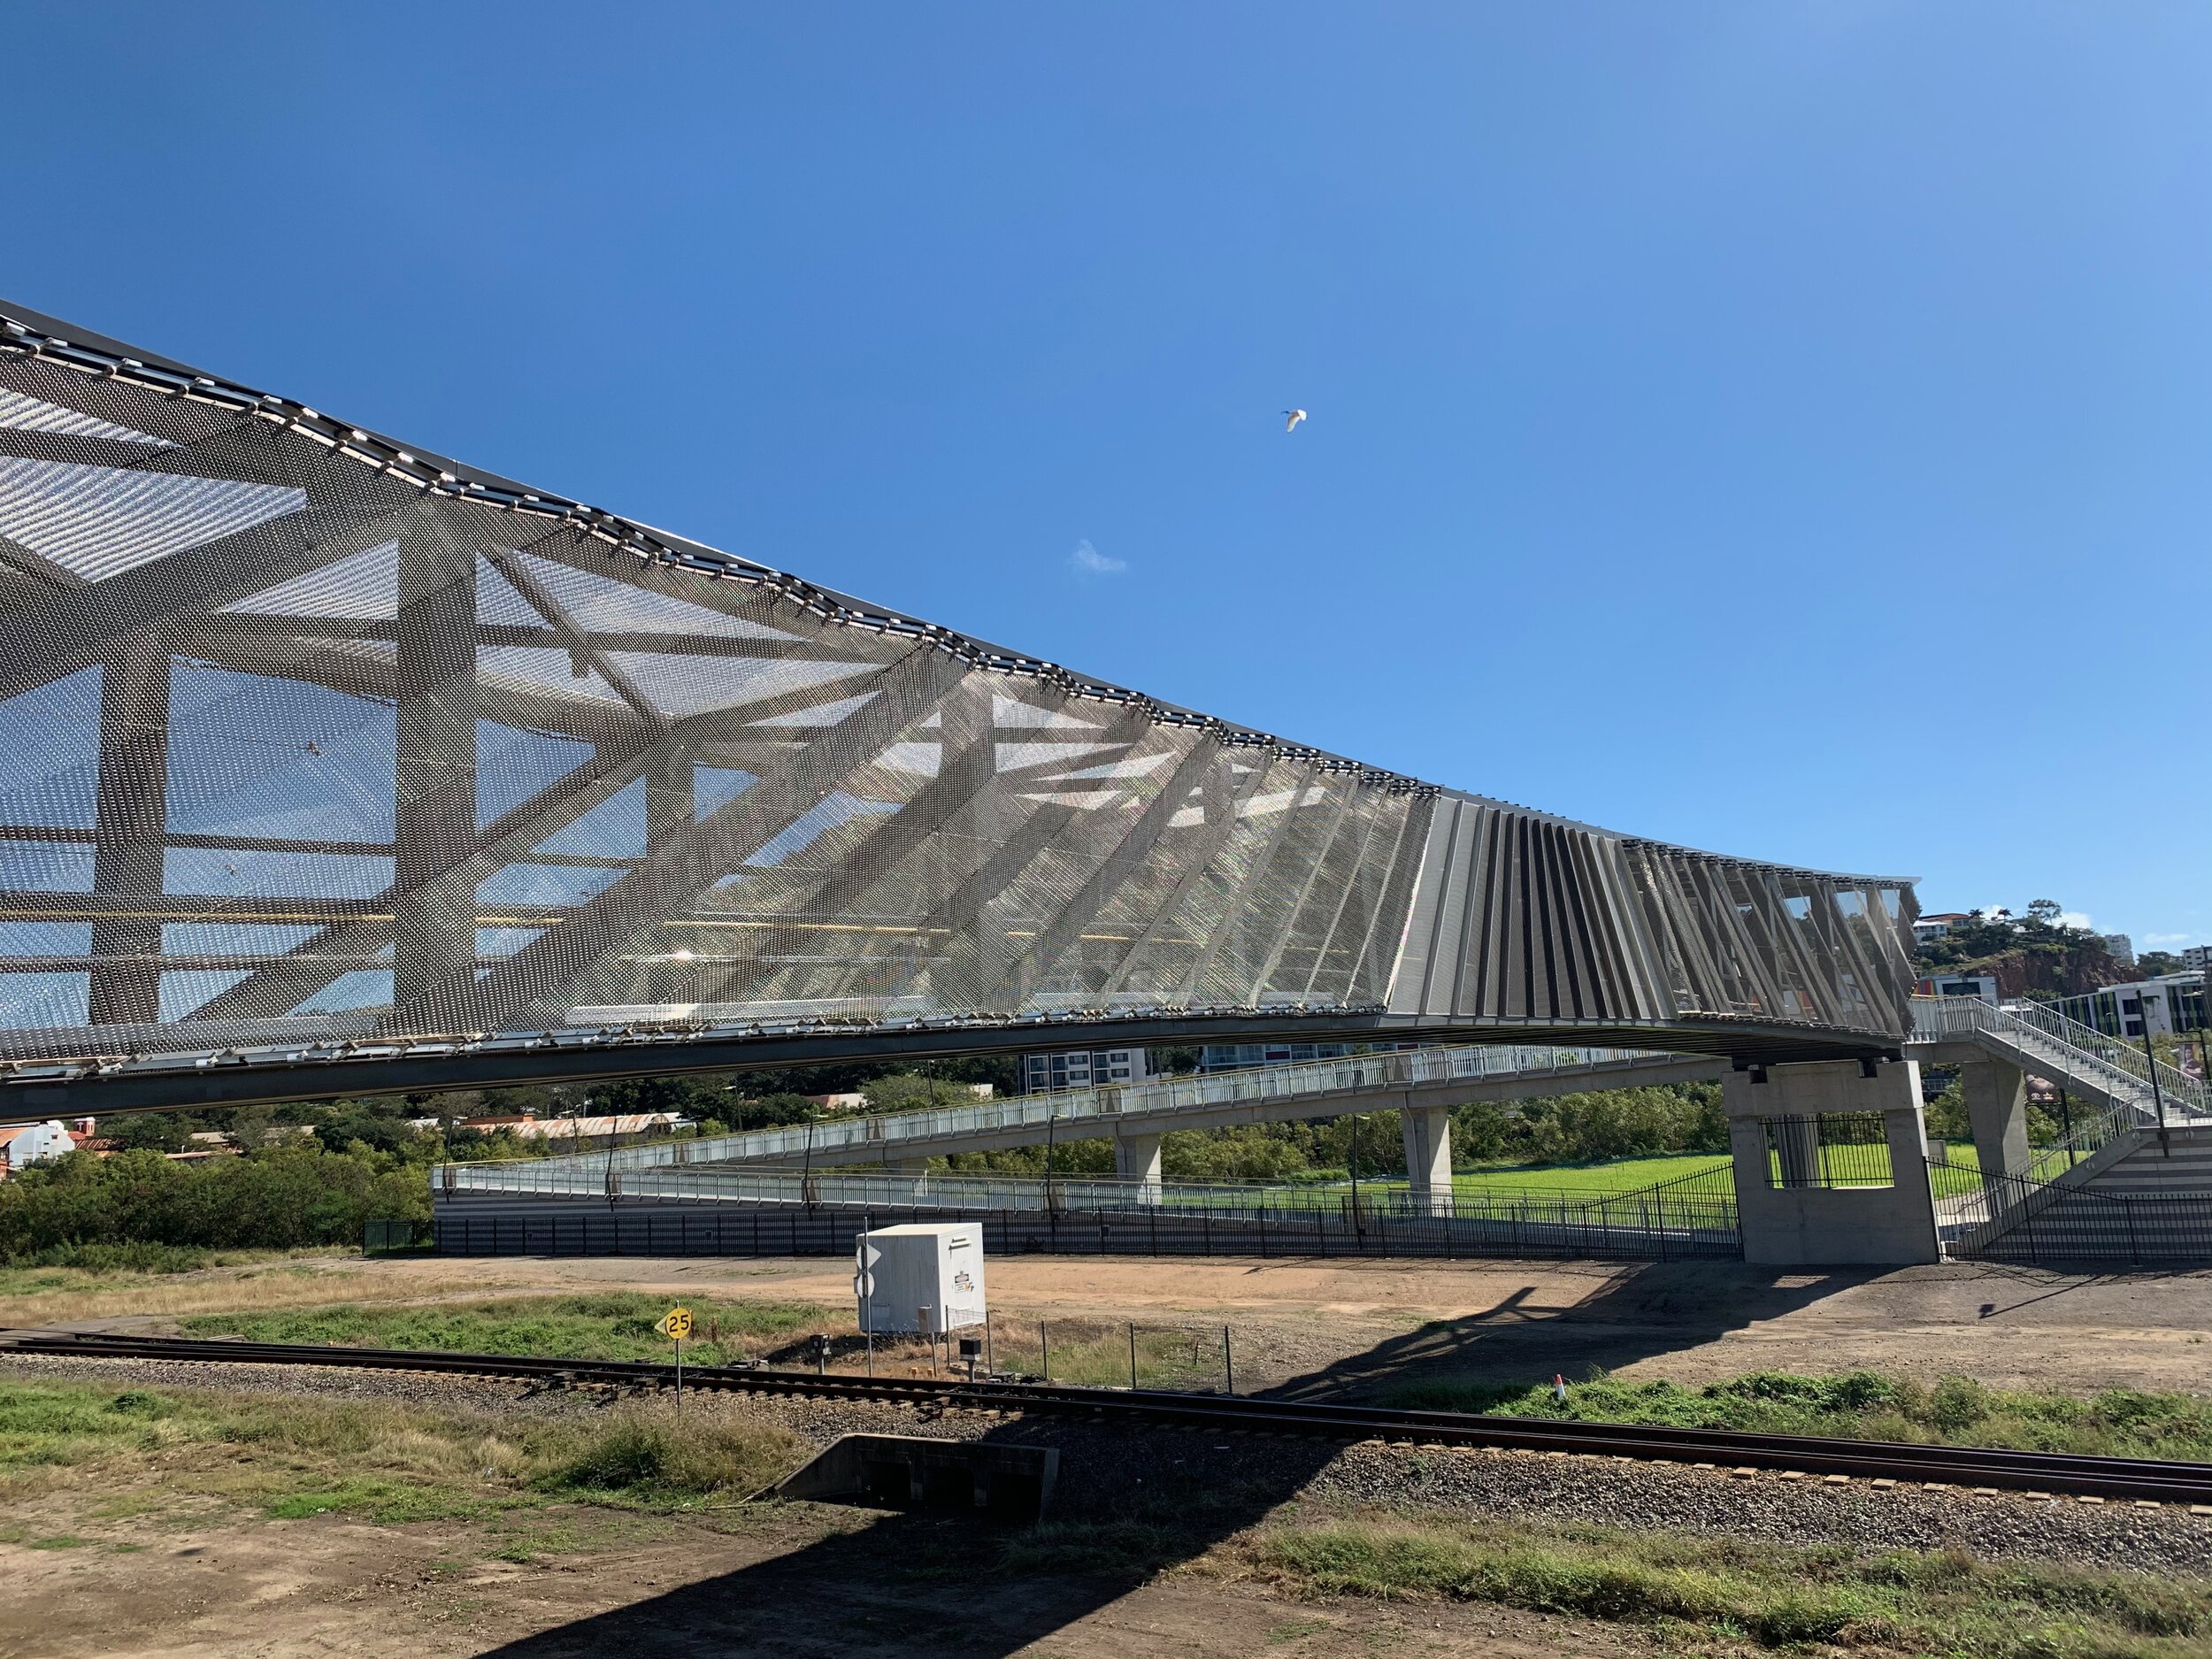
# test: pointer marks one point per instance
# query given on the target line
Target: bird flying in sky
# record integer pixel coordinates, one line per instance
(1292, 417)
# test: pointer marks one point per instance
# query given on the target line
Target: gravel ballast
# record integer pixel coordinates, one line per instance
(1246, 1475)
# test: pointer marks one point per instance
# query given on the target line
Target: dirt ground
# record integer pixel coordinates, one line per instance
(1311, 1326)
(798, 1581)
(804, 1581)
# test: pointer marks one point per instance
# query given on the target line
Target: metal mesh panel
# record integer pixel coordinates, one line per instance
(314, 738)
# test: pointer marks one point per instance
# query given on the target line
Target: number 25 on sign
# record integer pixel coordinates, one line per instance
(675, 1325)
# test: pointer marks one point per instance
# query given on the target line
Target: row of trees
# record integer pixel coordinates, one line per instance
(1570, 1129)
(312, 1172)
(2037, 954)
(284, 1197)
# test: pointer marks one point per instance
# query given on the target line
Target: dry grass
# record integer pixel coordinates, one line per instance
(1697, 1595)
(241, 1282)
(109, 1453)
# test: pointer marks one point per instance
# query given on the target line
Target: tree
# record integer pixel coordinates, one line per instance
(688, 1096)
(2044, 910)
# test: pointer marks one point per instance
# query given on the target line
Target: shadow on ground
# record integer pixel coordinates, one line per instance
(1643, 1313)
(1127, 1505)
(1131, 1504)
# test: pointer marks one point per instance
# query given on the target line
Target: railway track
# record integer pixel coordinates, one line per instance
(1971, 1468)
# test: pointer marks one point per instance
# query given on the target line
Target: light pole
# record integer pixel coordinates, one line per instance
(2150, 1059)
(1359, 1229)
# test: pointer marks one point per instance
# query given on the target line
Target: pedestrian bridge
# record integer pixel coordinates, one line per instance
(338, 766)
(2122, 1099)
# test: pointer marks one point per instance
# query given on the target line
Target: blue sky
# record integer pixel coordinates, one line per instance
(1782, 429)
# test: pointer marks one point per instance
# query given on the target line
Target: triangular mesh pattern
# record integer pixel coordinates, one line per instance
(312, 737)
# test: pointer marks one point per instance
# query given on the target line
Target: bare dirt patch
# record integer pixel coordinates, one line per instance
(596, 1582)
(1357, 1327)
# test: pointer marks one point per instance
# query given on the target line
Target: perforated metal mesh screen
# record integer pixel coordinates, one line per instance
(307, 737)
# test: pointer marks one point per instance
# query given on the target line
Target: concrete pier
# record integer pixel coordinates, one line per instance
(1811, 1225)
(1427, 1133)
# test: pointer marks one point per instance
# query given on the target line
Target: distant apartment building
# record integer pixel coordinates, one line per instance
(2122, 947)
(2163, 1007)
(2198, 957)
(1042, 1072)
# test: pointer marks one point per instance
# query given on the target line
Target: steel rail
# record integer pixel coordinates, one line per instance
(1956, 1466)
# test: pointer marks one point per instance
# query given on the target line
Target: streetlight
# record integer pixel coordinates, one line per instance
(2150, 1058)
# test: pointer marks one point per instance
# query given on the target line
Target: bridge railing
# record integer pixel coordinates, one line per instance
(1701, 1205)
(1089, 1111)
(2031, 1027)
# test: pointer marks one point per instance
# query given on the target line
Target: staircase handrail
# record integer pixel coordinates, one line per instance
(2029, 1023)
(1070, 1112)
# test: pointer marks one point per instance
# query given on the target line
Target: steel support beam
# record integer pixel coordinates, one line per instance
(434, 934)
(702, 854)
(132, 819)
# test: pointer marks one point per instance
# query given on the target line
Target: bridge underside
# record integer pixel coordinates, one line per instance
(323, 751)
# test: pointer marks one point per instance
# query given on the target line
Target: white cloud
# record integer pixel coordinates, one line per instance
(1090, 562)
(2076, 919)
(2159, 942)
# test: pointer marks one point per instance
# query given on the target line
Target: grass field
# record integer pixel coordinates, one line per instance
(105, 1471)
(1605, 1179)
(620, 1326)
(291, 1456)
(613, 1325)
(1865, 1405)
(1597, 1181)
(1704, 1595)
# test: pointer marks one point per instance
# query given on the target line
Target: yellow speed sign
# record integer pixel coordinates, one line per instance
(675, 1325)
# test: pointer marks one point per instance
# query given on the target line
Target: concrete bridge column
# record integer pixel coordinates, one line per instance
(1997, 1110)
(1137, 1158)
(1814, 1226)
(1427, 1132)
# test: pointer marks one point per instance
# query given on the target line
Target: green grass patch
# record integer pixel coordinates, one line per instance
(1864, 1405)
(1600, 1180)
(1734, 1591)
(1097, 1351)
(617, 1325)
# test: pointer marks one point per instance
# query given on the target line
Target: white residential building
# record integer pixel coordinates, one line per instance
(2170, 1003)
(33, 1143)
(1042, 1072)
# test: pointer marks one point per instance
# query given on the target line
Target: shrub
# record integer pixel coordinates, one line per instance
(85, 1211)
(708, 1455)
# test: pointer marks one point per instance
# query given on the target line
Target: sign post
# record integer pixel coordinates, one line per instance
(675, 1325)
(865, 1255)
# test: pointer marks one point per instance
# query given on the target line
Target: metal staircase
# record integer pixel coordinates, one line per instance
(2077, 1056)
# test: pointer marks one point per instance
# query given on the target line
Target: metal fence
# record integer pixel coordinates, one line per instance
(390, 1237)
(2046, 1223)
(1694, 1216)
(1828, 1149)
(2045, 1031)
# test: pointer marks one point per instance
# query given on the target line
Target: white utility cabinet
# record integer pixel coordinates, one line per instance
(920, 1280)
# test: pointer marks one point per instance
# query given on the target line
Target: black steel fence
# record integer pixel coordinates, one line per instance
(1828, 1149)
(1656, 1225)
(2045, 1223)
